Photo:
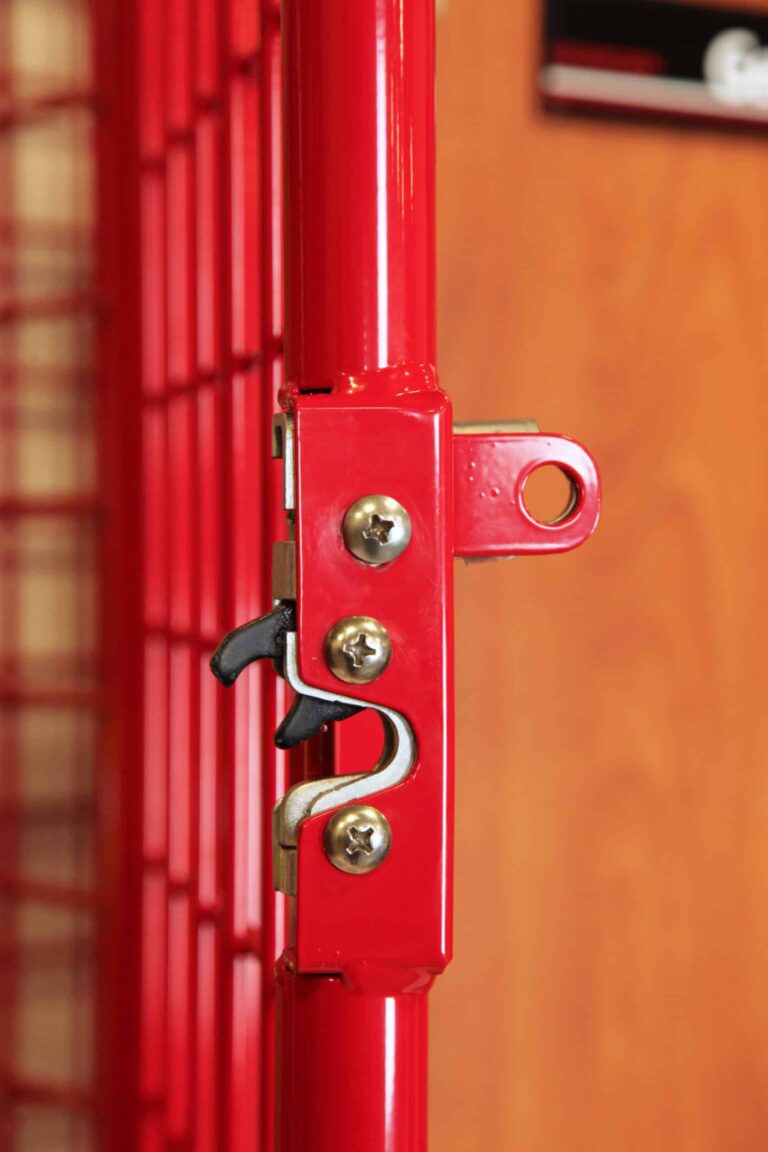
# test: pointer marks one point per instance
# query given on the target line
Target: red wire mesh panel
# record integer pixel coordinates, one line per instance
(50, 696)
(139, 928)
(190, 152)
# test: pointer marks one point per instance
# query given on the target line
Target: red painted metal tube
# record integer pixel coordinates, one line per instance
(351, 1067)
(359, 187)
(359, 182)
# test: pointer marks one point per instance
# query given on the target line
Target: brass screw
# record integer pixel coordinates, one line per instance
(358, 649)
(358, 839)
(377, 529)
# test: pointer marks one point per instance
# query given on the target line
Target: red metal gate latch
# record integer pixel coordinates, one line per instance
(381, 492)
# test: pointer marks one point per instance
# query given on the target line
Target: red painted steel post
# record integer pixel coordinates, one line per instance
(360, 248)
(363, 584)
(359, 187)
(353, 1066)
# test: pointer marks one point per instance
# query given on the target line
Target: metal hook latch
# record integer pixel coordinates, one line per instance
(381, 492)
(273, 637)
(314, 796)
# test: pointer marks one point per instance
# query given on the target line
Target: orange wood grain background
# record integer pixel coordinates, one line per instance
(610, 986)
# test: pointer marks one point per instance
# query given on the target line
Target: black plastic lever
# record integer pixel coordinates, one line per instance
(264, 639)
(258, 640)
(307, 716)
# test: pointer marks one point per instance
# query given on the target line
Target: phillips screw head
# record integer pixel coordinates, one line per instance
(377, 529)
(358, 839)
(358, 649)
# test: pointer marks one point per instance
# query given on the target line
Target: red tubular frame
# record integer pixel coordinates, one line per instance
(359, 187)
(192, 351)
(355, 1062)
(369, 417)
(360, 301)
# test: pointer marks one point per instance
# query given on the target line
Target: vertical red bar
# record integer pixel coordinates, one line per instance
(274, 706)
(183, 384)
(359, 186)
(247, 591)
(356, 1062)
(162, 469)
(360, 295)
(251, 484)
(132, 904)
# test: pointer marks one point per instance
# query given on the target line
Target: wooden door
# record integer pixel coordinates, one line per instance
(609, 986)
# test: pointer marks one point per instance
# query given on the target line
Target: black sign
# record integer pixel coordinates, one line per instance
(651, 57)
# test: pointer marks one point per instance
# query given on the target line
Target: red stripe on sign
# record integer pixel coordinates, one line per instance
(606, 56)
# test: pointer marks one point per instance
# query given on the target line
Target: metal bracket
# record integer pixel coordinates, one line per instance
(357, 451)
(314, 796)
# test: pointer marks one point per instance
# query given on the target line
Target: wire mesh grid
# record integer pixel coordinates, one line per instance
(209, 329)
(49, 667)
(212, 361)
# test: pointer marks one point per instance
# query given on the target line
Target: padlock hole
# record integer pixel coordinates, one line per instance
(550, 494)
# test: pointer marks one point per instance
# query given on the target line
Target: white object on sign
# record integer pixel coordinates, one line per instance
(736, 69)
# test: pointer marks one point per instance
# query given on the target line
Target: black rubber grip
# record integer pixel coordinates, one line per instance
(258, 640)
(307, 717)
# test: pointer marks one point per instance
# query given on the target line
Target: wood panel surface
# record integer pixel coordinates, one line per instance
(609, 988)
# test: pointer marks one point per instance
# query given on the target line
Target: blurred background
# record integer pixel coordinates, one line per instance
(611, 278)
(49, 674)
(607, 277)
